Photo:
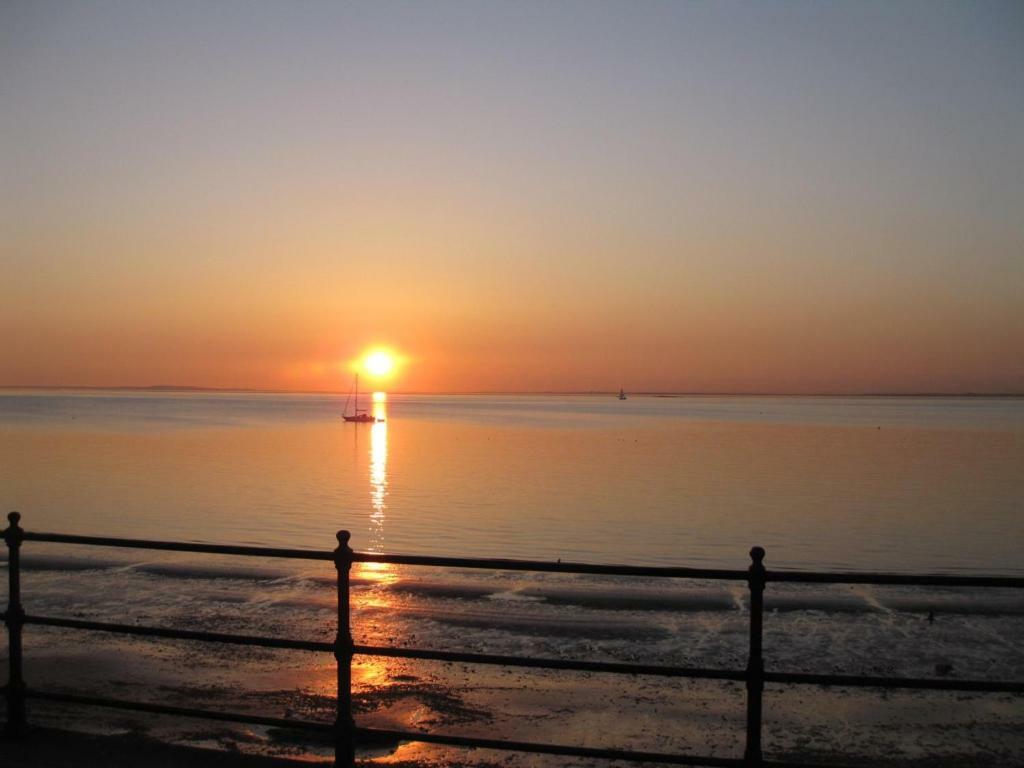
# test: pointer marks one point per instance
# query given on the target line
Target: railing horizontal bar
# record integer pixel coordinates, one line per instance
(181, 634)
(933, 684)
(895, 579)
(499, 564)
(820, 577)
(164, 709)
(552, 749)
(536, 663)
(182, 546)
(581, 666)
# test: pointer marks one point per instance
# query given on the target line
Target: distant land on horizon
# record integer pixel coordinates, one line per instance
(650, 393)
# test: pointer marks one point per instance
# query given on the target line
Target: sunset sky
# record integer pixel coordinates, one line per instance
(515, 196)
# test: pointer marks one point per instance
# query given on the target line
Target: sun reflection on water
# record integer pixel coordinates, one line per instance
(380, 572)
(374, 674)
(371, 599)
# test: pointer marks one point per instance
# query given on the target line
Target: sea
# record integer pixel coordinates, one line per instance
(928, 484)
(895, 484)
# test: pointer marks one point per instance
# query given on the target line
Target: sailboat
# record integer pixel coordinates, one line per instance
(622, 394)
(358, 415)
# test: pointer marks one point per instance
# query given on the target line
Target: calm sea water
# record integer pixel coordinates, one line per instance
(895, 483)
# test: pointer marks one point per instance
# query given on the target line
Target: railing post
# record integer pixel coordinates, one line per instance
(755, 661)
(15, 620)
(344, 723)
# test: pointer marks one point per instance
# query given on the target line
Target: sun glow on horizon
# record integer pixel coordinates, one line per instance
(379, 362)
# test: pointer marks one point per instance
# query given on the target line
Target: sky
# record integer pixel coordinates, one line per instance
(792, 197)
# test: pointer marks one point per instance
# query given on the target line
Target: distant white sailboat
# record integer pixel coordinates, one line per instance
(622, 394)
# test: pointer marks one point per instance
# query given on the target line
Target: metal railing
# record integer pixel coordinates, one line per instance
(347, 734)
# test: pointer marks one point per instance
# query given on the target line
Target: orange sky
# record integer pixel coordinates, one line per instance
(573, 197)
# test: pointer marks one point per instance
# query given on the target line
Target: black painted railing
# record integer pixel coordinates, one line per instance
(347, 734)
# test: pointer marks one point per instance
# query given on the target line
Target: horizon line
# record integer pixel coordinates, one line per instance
(653, 392)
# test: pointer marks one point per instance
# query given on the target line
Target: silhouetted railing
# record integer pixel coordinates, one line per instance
(347, 734)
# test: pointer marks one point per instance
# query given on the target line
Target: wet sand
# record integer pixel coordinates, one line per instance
(840, 726)
(51, 748)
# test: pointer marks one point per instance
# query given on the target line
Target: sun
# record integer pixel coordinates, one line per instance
(379, 363)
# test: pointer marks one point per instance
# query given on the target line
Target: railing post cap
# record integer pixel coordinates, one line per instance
(757, 554)
(343, 538)
(14, 518)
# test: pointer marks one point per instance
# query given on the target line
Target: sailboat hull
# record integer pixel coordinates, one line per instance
(361, 418)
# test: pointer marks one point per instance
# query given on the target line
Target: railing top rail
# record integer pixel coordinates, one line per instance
(894, 579)
(501, 564)
(181, 546)
(371, 557)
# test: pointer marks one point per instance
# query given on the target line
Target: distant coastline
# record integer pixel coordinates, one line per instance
(171, 388)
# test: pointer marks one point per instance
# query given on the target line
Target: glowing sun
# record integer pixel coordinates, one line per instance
(379, 363)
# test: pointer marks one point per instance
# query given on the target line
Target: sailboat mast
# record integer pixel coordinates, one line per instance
(357, 394)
